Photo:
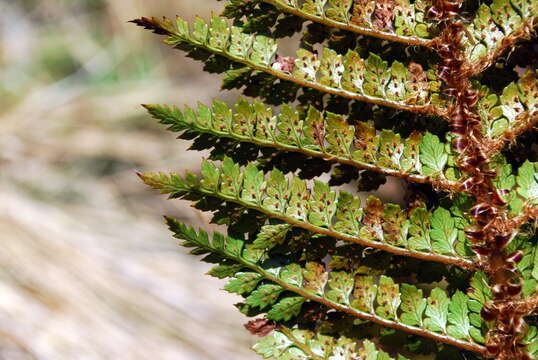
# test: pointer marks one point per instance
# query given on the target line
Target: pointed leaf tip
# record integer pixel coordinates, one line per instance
(152, 24)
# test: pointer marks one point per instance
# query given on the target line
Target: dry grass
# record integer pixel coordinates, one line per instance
(87, 270)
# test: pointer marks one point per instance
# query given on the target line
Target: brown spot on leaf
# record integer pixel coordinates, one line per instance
(384, 14)
(284, 63)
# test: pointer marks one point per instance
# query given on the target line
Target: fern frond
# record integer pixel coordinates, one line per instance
(497, 27)
(309, 257)
(371, 80)
(520, 189)
(419, 158)
(507, 116)
(377, 299)
(298, 344)
(408, 25)
(323, 211)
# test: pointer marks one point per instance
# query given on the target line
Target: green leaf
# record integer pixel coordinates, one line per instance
(182, 27)
(277, 192)
(224, 271)
(230, 178)
(298, 205)
(376, 76)
(395, 225)
(294, 354)
(505, 179)
(200, 31)
(413, 305)
(354, 69)
(263, 50)
(253, 185)
(210, 176)
(321, 210)
(458, 317)
(444, 232)
(292, 274)
(340, 287)
(286, 308)
(314, 130)
(388, 298)
(349, 214)
(396, 88)
(535, 264)
(315, 278)
(221, 117)
(364, 294)
(240, 43)
(323, 206)
(437, 311)
(289, 125)
(265, 122)
(339, 135)
(314, 7)
(481, 290)
(244, 283)
(337, 74)
(271, 235)
(420, 229)
(309, 283)
(306, 65)
(410, 161)
(331, 68)
(264, 295)
(339, 10)
(273, 345)
(219, 33)
(390, 149)
(344, 349)
(527, 181)
(432, 154)
(286, 345)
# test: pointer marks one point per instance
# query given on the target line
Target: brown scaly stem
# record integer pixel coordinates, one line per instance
(493, 228)
(529, 213)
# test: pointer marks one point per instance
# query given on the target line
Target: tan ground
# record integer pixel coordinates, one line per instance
(87, 269)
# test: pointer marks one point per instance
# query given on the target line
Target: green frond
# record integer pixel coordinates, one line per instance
(527, 182)
(419, 158)
(515, 111)
(328, 269)
(418, 233)
(371, 80)
(497, 27)
(378, 299)
(409, 24)
(521, 188)
(296, 344)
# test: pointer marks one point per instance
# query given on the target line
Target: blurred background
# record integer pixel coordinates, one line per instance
(87, 268)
